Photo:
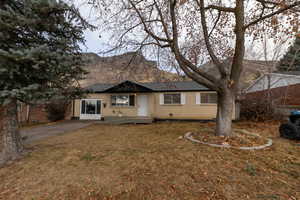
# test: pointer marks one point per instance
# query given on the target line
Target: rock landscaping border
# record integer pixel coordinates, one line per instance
(189, 136)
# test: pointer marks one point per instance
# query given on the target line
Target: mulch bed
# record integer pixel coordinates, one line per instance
(239, 139)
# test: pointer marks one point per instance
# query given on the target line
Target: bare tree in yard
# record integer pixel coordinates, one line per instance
(39, 59)
(192, 30)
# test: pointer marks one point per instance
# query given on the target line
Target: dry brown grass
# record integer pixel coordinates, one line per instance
(150, 162)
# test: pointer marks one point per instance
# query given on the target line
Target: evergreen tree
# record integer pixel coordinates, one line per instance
(39, 59)
(291, 60)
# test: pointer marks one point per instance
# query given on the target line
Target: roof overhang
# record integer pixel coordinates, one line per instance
(128, 87)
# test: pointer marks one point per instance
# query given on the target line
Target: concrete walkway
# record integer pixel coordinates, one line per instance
(37, 133)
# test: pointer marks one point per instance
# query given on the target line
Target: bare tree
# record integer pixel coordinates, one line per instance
(193, 30)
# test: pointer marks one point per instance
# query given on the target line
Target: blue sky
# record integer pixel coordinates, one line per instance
(93, 42)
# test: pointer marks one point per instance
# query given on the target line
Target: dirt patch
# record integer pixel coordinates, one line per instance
(239, 138)
(133, 162)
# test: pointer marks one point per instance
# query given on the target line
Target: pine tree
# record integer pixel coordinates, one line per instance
(39, 59)
(291, 60)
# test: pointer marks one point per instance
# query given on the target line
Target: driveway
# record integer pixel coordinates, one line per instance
(37, 133)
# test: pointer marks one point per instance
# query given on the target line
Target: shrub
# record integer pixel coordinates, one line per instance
(56, 110)
(257, 110)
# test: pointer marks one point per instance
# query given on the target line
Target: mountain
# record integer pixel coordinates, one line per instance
(135, 67)
(129, 66)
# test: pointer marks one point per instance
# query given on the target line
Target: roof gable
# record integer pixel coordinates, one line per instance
(98, 87)
(128, 86)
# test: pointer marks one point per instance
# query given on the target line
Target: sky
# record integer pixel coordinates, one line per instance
(93, 42)
(96, 44)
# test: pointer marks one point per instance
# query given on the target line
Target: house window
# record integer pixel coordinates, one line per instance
(91, 107)
(122, 100)
(172, 98)
(209, 98)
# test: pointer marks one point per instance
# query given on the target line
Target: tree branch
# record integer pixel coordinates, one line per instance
(220, 8)
(207, 42)
(203, 77)
(165, 27)
(143, 21)
(215, 24)
(237, 62)
(272, 14)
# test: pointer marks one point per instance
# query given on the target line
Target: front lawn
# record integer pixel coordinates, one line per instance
(151, 162)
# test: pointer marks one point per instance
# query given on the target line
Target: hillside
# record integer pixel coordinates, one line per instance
(128, 66)
(135, 67)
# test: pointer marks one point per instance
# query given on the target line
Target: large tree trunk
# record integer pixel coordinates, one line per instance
(224, 113)
(12, 146)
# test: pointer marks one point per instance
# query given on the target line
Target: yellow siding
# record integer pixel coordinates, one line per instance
(109, 110)
(190, 110)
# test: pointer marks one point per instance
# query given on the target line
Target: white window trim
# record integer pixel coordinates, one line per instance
(85, 116)
(182, 98)
(162, 99)
(198, 101)
(198, 98)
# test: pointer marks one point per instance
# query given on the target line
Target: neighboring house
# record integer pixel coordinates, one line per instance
(285, 95)
(281, 91)
(156, 100)
(274, 80)
(280, 88)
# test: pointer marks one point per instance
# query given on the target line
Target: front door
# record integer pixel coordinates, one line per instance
(90, 109)
(142, 105)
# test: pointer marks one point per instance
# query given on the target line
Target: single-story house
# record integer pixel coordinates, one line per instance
(282, 88)
(280, 91)
(155, 100)
(274, 80)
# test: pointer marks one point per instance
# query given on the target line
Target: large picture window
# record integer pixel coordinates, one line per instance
(172, 98)
(209, 98)
(90, 107)
(122, 100)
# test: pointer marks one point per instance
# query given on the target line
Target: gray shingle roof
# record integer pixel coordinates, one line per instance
(99, 87)
(155, 86)
(175, 86)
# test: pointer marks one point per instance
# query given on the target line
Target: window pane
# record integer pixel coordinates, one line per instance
(119, 100)
(90, 107)
(122, 100)
(209, 98)
(83, 107)
(98, 107)
(176, 99)
(167, 99)
(131, 100)
(213, 98)
(172, 98)
(204, 97)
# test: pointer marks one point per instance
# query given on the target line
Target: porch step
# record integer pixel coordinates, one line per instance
(128, 120)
